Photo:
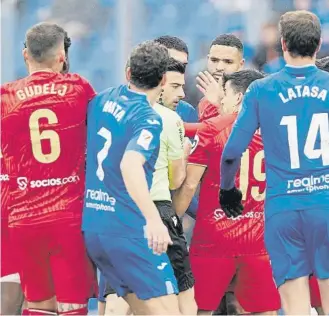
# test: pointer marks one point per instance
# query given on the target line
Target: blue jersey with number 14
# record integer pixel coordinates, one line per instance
(119, 120)
(291, 108)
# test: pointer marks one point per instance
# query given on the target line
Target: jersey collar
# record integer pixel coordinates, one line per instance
(135, 93)
(300, 70)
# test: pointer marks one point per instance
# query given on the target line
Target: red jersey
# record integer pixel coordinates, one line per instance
(206, 110)
(44, 142)
(215, 234)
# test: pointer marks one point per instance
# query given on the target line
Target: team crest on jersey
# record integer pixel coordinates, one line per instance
(195, 143)
(144, 139)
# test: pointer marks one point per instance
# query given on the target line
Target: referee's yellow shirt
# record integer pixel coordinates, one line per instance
(171, 148)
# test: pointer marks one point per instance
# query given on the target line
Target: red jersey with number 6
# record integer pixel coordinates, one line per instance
(43, 142)
(215, 234)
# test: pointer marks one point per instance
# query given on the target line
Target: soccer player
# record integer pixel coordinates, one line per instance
(11, 293)
(178, 50)
(225, 56)
(123, 230)
(43, 144)
(222, 247)
(291, 110)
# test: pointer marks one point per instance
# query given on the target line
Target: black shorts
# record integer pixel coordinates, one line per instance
(178, 252)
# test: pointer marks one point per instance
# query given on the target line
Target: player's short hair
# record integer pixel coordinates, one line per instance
(176, 66)
(301, 31)
(172, 42)
(67, 45)
(43, 38)
(323, 63)
(148, 63)
(228, 40)
(241, 80)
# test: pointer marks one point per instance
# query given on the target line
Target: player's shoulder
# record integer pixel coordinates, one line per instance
(166, 113)
(143, 114)
(183, 105)
(73, 78)
(322, 74)
(267, 81)
(13, 85)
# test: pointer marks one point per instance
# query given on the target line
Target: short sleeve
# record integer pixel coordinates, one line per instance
(145, 136)
(200, 146)
(175, 138)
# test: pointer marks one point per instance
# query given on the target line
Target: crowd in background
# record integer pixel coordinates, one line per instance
(104, 31)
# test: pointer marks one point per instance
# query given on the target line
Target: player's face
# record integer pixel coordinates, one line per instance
(173, 90)
(179, 56)
(224, 59)
(231, 100)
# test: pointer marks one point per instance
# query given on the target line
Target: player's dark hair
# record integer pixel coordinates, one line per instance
(67, 45)
(175, 65)
(42, 38)
(172, 42)
(301, 31)
(148, 63)
(241, 80)
(228, 40)
(323, 63)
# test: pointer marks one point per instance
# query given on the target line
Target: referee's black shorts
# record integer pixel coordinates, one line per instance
(177, 252)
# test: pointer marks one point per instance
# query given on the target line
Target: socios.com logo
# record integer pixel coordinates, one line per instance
(22, 183)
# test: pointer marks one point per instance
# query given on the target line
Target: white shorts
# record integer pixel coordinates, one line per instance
(13, 278)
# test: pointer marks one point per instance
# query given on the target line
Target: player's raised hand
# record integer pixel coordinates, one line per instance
(209, 87)
(157, 235)
(230, 201)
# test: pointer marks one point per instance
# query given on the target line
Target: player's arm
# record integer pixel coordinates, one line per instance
(197, 165)
(136, 184)
(176, 155)
(244, 128)
(191, 129)
(145, 140)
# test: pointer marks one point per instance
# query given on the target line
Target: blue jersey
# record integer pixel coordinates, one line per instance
(291, 108)
(119, 120)
(187, 112)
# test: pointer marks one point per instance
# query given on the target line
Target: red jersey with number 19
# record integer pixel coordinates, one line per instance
(214, 234)
(43, 143)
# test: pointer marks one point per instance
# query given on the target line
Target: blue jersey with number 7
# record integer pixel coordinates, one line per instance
(119, 120)
(291, 108)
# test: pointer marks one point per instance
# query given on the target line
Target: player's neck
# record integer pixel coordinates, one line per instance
(151, 95)
(299, 61)
(38, 68)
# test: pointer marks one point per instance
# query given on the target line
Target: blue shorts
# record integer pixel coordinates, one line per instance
(298, 244)
(130, 266)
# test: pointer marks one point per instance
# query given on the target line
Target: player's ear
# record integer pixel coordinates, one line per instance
(242, 62)
(163, 80)
(25, 54)
(128, 74)
(239, 98)
(319, 47)
(283, 45)
(62, 56)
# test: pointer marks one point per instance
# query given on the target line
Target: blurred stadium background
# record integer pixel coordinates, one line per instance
(104, 31)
